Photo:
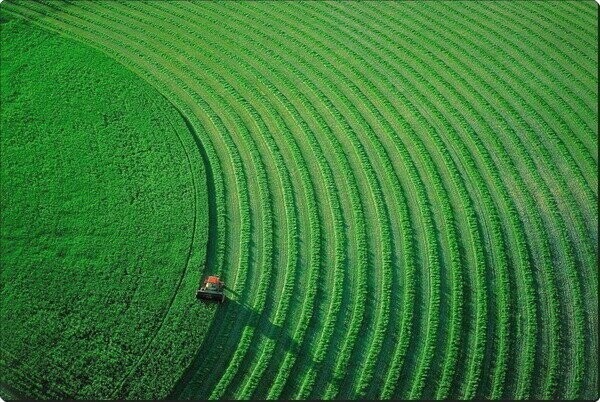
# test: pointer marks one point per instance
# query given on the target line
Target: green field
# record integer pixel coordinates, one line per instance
(402, 198)
(104, 223)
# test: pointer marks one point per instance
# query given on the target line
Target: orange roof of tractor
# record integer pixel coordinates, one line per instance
(213, 279)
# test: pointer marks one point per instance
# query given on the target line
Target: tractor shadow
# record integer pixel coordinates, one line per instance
(262, 324)
(231, 317)
(224, 335)
(211, 247)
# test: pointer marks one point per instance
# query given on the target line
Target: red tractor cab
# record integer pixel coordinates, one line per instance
(211, 289)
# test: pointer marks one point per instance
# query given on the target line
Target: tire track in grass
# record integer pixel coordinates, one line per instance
(138, 362)
(342, 162)
(564, 235)
(219, 206)
(214, 73)
(36, 389)
(179, 282)
(225, 313)
(184, 273)
(467, 158)
(367, 128)
(107, 50)
(348, 84)
(342, 24)
(494, 222)
(252, 379)
(564, 251)
(235, 121)
(280, 168)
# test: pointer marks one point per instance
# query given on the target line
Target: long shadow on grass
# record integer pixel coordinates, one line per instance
(227, 312)
(212, 201)
(262, 326)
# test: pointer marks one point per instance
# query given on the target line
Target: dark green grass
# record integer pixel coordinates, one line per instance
(103, 220)
(403, 195)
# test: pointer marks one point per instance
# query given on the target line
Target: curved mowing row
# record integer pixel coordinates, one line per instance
(405, 192)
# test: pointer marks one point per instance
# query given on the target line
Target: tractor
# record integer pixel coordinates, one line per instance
(211, 289)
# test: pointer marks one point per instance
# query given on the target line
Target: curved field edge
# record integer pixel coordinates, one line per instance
(300, 85)
(125, 209)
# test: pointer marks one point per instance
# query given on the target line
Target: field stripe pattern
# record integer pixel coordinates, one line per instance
(402, 210)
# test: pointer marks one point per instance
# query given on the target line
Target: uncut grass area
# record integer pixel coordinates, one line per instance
(103, 224)
(402, 196)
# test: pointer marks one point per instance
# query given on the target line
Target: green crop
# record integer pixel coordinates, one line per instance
(401, 198)
(104, 222)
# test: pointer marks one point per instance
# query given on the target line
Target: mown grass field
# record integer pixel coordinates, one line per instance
(402, 198)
